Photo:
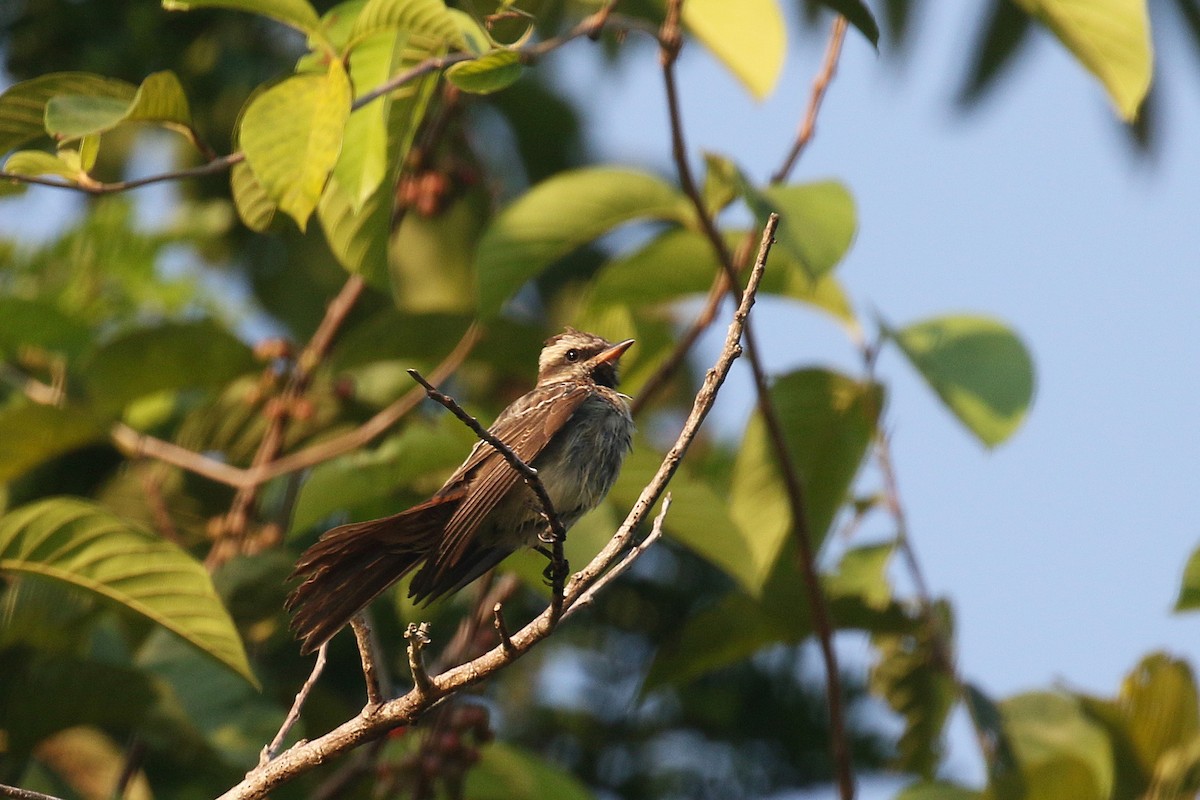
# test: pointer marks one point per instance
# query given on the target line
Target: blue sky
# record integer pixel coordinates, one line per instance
(1063, 548)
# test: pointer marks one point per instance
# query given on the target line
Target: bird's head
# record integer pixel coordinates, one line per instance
(576, 355)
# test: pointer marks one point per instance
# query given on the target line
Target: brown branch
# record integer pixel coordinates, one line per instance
(558, 533)
(293, 714)
(367, 650)
(806, 556)
(808, 126)
(24, 794)
(303, 756)
(588, 597)
(418, 639)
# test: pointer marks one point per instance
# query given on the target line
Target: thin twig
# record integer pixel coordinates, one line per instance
(130, 765)
(365, 638)
(589, 596)
(805, 555)
(293, 714)
(304, 756)
(530, 475)
(833, 51)
(502, 629)
(24, 794)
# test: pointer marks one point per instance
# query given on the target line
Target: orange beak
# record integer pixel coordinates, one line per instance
(613, 353)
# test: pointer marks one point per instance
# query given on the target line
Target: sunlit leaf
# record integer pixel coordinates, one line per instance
(82, 544)
(829, 420)
(298, 14)
(749, 37)
(90, 761)
(39, 162)
(1159, 701)
(428, 19)
(561, 214)
(254, 207)
(1189, 591)
(170, 356)
(292, 134)
(31, 434)
(159, 99)
(1110, 38)
(817, 221)
(1062, 754)
(22, 106)
(978, 367)
(490, 73)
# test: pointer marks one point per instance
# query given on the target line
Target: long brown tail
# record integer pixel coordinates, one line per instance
(351, 565)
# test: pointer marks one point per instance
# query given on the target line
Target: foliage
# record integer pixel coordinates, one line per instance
(141, 587)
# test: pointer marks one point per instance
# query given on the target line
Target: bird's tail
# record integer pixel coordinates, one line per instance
(351, 565)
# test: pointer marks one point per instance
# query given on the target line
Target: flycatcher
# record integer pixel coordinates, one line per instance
(573, 427)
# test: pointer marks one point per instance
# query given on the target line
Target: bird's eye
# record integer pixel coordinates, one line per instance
(572, 355)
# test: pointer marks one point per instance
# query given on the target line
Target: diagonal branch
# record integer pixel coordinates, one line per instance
(304, 756)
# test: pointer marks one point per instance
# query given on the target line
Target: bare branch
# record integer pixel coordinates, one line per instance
(367, 650)
(502, 629)
(589, 596)
(24, 794)
(293, 714)
(403, 710)
(418, 638)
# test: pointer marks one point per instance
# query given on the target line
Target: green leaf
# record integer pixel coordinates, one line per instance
(561, 214)
(429, 20)
(1177, 774)
(862, 572)
(749, 37)
(1062, 754)
(938, 790)
(292, 134)
(37, 323)
(254, 207)
(83, 544)
(170, 356)
(82, 691)
(418, 452)
(977, 366)
(298, 14)
(159, 99)
(507, 772)
(1110, 38)
(1006, 30)
(31, 434)
(1189, 591)
(817, 221)
(39, 162)
(489, 73)
(829, 420)
(910, 676)
(23, 105)
(1159, 701)
(858, 15)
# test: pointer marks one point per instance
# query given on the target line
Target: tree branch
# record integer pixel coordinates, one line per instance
(303, 756)
(805, 555)
(293, 714)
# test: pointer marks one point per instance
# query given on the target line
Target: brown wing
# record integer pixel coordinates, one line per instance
(526, 427)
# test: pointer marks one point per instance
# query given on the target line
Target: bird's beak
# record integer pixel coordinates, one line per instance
(613, 353)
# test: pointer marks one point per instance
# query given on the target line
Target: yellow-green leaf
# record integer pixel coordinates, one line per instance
(490, 73)
(23, 105)
(160, 99)
(254, 207)
(31, 434)
(85, 545)
(298, 14)
(425, 18)
(561, 214)
(39, 162)
(292, 134)
(749, 37)
(1110, 38)
(978, 367)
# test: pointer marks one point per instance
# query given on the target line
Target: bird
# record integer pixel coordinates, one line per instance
(573, 427)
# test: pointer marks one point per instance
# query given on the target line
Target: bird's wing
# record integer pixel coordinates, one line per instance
(526, 426)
